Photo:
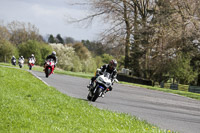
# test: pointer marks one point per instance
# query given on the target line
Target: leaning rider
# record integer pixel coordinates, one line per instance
(110, 68)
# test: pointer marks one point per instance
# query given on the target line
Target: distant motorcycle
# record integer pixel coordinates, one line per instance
(21, 62)
(49, 67)
(100, 86)
(31, 63)
(14, 62)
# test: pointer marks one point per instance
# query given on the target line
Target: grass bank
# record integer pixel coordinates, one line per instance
(28, 105)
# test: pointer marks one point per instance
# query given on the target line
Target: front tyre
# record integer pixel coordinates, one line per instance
(96, 94)
(48, 71)
(30, 67)
(89, 97)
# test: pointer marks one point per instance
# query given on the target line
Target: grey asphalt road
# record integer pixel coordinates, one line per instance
(165, 110)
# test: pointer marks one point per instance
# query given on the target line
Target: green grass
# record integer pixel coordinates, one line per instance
(28, 105)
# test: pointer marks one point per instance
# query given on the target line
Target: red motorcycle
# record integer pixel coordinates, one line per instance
(31, 63)
(49, 67)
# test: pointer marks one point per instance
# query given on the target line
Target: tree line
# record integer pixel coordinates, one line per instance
(22, 39)
(160, 38)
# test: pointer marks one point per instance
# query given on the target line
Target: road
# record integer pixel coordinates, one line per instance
(165, 110)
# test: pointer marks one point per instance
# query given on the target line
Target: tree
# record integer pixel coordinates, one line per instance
(81, 51)
(96, 48)
(181, 70)
(21, 32)
(31, 47)
(60, 39)
(69, 40)
(51, 39)
(4, 33)
(117, 14)
(7, 50)
(106, 58)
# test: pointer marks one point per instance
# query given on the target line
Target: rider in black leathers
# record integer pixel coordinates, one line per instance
(51, 56)
(12, 60)
(110, 68)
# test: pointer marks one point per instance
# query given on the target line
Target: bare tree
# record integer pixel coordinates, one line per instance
(21, 32)
(117, 14)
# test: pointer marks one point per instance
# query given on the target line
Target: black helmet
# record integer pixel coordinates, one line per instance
(54, 53)
(113, 64)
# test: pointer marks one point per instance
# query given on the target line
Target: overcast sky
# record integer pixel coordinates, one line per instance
(50, 17)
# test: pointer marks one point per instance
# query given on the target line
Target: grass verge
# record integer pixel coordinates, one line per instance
(28, 105)
(182, 93)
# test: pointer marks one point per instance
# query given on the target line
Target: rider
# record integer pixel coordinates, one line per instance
(12, 59)
(21, 58)
(33, 57)
(110, 68)
(52, 56)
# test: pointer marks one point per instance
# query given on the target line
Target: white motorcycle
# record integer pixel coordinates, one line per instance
(21, 62)
(100, 86)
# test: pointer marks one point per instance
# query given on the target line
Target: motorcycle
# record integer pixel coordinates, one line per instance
(100, 86)
(14, 62)
(31, 63)
(49, 67)
(21, 62)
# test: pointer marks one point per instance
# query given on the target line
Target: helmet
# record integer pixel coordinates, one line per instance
(54, 53)
(113, 64)
(32, 55)
(21, 56)
(13, 56)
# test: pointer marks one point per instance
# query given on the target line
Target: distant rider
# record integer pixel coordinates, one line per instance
(32, 57)
(12, 60)
(21, 58)
(110, 68)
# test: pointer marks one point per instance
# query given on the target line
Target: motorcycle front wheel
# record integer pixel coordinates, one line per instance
(48, 71)
(89, 97)
(30, 67)
(96, 94)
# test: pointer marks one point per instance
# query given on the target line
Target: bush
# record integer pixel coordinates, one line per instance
(67, 58)
(7, 50)
(40, 50)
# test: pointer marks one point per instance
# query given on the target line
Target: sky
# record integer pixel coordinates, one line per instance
(51, 17)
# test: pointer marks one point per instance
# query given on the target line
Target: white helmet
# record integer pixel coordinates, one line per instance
(32, 55)
(53, 53)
